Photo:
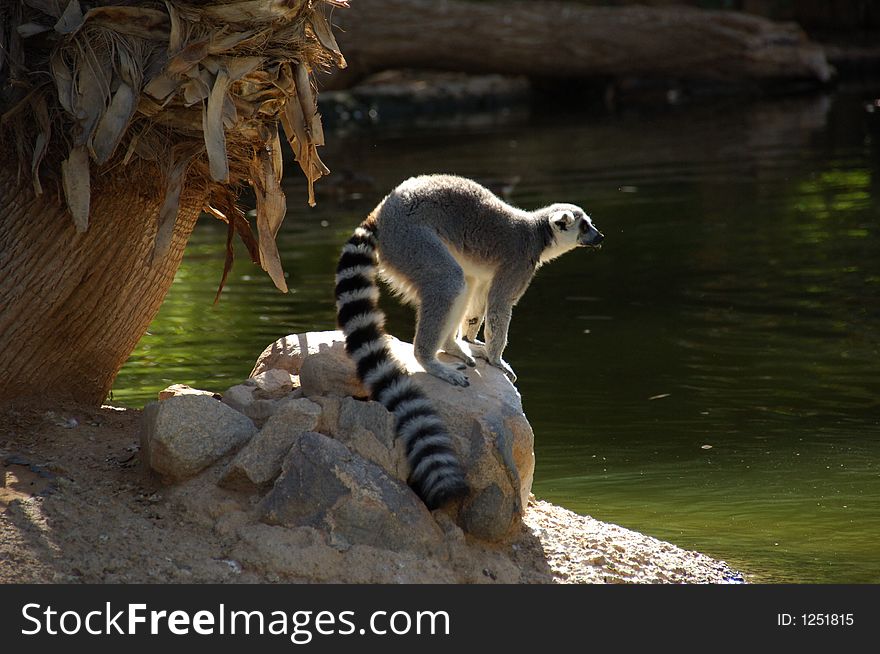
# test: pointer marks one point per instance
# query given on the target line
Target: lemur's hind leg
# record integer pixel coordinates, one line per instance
(452, 346)
(474, 317)
(442, 303)
(437, 324)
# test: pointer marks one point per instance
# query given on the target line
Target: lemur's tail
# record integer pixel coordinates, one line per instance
(436, 474)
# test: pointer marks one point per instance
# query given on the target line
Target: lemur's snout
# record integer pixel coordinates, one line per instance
(597, 239)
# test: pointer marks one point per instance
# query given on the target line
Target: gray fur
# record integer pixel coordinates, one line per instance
(464, 257)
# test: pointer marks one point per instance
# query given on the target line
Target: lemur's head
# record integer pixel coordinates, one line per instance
(571, 227)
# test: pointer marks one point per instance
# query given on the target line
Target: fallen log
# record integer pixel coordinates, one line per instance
(566, 40)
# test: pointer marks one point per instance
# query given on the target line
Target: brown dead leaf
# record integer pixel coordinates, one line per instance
(195, 90)
(229, 259)
(238, 67)
(215, 136)
(77, 186)
(63, 80)
(187, 58)
(28, 30)
(274, 147)
(175, 35)
(309, 105)
(168, 214)
(246, 234)
(71, 20)
(271, 207)
(91, 91)
(41, 145)
(249, 11)
(224, 42)
(113, 123)
(161, 86)
(144, 23)
(324, 33)
(48, 7)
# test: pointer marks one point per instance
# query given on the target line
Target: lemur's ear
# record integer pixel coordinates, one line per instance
(562, 220)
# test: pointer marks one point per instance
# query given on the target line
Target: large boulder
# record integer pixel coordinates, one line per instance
(324, 485)
(330, 372)
(289, 352)
(183, 435)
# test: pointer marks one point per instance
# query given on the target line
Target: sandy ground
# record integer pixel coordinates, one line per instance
(76, 506)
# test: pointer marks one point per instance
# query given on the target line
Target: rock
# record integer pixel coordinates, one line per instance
(329, 421)
(246, 398)
(491, 433)
(273, 384)
(185, 434)
(330, 372)
(366, 428)
(326, 486)
(489, 513)
(240, 396)
(259, 462)
(182, 389)
(361, 498)
(288, 353)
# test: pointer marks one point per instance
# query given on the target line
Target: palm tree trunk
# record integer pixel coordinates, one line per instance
(74, 305)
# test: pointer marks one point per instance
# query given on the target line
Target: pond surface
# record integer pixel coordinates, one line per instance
(710, 377)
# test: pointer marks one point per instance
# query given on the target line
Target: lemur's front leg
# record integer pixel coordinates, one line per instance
(497, 324)
(505, 291)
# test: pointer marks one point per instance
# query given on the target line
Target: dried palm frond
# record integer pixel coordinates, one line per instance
(196, 86)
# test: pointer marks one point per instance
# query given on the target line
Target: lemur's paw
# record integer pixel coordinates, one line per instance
(453, 349)
(469, 362)
(479, 350)
(506, 369)
(448, 374)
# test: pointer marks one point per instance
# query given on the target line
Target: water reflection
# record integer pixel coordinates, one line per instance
(709, 377)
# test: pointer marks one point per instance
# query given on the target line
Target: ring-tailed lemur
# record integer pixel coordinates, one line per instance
(462, 256)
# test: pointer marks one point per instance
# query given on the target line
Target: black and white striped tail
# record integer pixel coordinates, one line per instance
(435, 472)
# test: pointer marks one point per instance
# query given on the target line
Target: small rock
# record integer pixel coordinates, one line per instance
(234, 566)
(240, 396)
(261, 410)
(61, 421)
(185, 434)
(367, 428)
(246, 398)
(259, 462)
(488, 513)
(330, 372)
(273, 384)
(182, 389)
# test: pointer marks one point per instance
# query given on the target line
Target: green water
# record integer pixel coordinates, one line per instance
(709, 377)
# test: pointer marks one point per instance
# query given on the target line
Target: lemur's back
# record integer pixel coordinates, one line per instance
(466, 216)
